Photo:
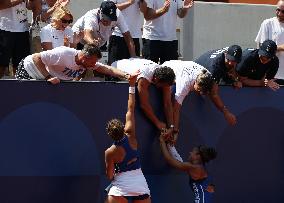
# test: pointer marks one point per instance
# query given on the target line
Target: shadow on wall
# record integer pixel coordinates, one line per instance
(249, 160)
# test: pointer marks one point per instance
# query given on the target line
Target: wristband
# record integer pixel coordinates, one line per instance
(131, 90)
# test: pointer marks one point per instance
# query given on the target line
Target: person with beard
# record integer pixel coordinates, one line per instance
(64, 63)
(273, 29)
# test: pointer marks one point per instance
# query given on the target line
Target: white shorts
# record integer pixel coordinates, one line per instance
(130, 183)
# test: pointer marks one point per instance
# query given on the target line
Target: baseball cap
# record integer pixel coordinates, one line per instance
(108, 10)
(268, 48)
(234, 53)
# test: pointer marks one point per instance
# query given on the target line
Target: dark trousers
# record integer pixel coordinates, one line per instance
(117, 49)
(160, 51)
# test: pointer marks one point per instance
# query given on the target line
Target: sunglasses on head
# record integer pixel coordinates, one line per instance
(66, 21)
(279, 10)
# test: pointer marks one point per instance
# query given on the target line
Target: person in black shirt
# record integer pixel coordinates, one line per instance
(258, 67)
(222, 64)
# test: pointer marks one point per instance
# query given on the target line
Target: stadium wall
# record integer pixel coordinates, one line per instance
(52, 142)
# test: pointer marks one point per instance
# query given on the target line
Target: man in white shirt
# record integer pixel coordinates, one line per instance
(273, 29)
(96, 26)
(151, 73)
(159, 31)
(64, 63)
(191, 76)
(117, 47)
(14, 35)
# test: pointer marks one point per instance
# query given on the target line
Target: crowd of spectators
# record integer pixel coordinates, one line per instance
(50, 49)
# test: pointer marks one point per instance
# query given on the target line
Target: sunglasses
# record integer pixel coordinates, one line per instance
(279, 10)
(66, 21)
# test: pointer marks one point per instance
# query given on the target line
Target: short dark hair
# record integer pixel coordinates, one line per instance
(207, 153)
(91, 49)
(115, 129)
(205, 81)
(165, 74)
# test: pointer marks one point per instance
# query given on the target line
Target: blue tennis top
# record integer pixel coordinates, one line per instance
(131, 160)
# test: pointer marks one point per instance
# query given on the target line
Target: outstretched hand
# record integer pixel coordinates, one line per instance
(272, 84)
(188, 4)
(54, 80)
(167, 5)
(133, 77)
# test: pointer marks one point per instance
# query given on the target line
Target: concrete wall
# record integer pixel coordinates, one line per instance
(215, 25)
(80, 7)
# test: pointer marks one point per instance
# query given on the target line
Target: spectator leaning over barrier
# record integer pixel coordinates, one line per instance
(273, 29)
(199, 180)
(258, 67)
(222, 64)
(58, 33)
(96, 26)
(117, 46)
(160, 42)
(42, 11)
(122, 159)
(151, 73)
(191, 76)
(14, 35)
(64, 63)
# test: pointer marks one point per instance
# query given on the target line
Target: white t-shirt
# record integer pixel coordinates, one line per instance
(274, 30)
(164, 27)
(146, 67)
(59, 62)
(132, 16)
(14, 19)
(186, 73)
(56, 37)
(90, 21)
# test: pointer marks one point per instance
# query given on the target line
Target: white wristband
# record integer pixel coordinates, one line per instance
(131, 90)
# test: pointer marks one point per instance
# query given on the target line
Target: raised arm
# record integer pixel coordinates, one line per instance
(143, 90)
(124, 5)
(216, 99)
(151, 14)
(130, 117)
(187, 4)
(184, 166)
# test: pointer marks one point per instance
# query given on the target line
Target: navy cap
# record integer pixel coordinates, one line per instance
(268, 48)
(234, 53)
(108, 10)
